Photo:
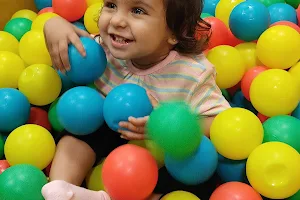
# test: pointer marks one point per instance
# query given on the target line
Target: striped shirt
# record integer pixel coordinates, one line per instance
(177, 77)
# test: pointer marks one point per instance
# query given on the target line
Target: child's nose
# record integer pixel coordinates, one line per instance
(119, 19)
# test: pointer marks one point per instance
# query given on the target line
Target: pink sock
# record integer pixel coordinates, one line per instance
(61, 190)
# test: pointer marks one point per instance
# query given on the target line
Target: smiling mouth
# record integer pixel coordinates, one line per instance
(120, 39)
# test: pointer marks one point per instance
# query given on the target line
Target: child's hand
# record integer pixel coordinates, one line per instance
(58, 34)
(135, 127)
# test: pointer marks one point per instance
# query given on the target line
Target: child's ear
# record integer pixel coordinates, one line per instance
(173, 41)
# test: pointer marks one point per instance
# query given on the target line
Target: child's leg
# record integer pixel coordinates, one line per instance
(73, 160)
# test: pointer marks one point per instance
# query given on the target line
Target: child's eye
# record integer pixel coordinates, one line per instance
(110, 5)
(138, 11)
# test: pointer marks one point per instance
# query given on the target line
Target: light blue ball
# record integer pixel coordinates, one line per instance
(282, 12)
(249, 20)
(85, 70)
(232, 170)
(296, 112)
(79, 25)
(210, 6)
(124, 101)
(14, 109)
(196, 169)
(66, 82)
(80, 110)
(40, 4)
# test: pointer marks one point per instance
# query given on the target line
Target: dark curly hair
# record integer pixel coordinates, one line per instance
(183, 19)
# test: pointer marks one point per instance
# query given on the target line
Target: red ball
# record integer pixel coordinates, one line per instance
(234, 89)
(46, 10)
(298, 15)
(287, 23)
(219, 32)
(262, 118)
(129, 173)
(235, 190)
(3, 166)
(248, 78)
(47, 170)
(39, 117)
(71, 10)
(232, 40)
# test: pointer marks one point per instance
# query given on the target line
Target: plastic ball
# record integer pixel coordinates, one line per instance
(232, 40)
(180, 195)
(18, 27)
(39, 117)
(210, 6)
(33, 49)
(53, 118)
(46, 10)
(205, 15)
(229, 65)
(248, 53)
(91, 2)
(295, 196)
(182, 139)
(22, 144)
(231, 170)
(22, 182)
(132, 166)
(3, 166)
(298, 15)
(40, 4)
(268, 3)
(249, 20)
(1, 147)
(11, 67)
(80, 110)
(236, 132)
(90, 15)
(85, 70)
(224, 9)
(71, 10)
(25, 13)
(248, 78)
(295, 72)
(219, 32)
(282, 12)
(262, 118)
(8, 42)
(235, 190)
(124, 101)
(279, 47)
(198, 168)
(79, 25)
(39, 22)
(94, 178)
(287, 23)
(273, 170)
(284, 129)
(14, 109)
(40, 83)
(66, 82)
(274, 92)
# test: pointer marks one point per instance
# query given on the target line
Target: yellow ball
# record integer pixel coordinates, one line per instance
(8, 42)
(40, 83)
(229, 65)
(236, 132)
(295, 72)
(30, 144)
(153, 148)
(273, 170)
(180, 195)
(224, 9)
(39, 23)
(25, 13)
(90, 18)
(279, 47)
(274, 92)
(11, 67)
(248, 53)
(94, 178)
(33, 49)
(91, 2)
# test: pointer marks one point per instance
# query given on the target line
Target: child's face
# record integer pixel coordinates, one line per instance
(135, 29)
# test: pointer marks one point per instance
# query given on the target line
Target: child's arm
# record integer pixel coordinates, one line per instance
(206, 124)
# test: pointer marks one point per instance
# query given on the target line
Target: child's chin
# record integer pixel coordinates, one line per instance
(120, 55)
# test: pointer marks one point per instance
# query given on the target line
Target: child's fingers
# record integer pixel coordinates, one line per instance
(56, 59)
(131, 136)
(83, 33)
(63, 49)
(74, 39)
(129, 126)
(138, 121)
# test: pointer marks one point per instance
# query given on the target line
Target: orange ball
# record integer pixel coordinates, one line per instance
(235, 190)
(219, 32)
(232, 40)
(39, 117)
(287, 23)
(298, 14)
(248, 78)
(45, 10)
(71, 10)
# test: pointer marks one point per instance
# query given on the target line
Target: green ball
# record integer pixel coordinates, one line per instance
(204, 15)
(283, 128)
(22, 182)
(175, 128)
(18, 27)
(295, 4)
(270, 2)
(1, 147)
(53, 119)
(295, 196)
(92, 85)
(226, 94)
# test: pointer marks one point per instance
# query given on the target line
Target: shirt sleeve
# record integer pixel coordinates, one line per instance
(207, 98)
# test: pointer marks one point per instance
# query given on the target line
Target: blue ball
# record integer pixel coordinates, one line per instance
(239, 100)
(196, 169)
(40, 4)
(249, 20)
(14, 109)
(80, 110)
(85, 70)
(66, 82)
(210, 6)
(232, 170)
(296, 112)
(124, 101)
(79, 25)
(282, 12)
